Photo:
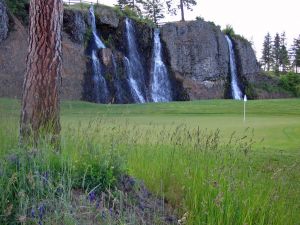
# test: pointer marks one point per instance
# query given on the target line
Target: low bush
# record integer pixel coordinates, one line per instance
(291, 82)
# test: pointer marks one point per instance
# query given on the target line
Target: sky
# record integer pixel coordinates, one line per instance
(249, 18)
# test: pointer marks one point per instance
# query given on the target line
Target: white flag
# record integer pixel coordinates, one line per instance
(245, 98)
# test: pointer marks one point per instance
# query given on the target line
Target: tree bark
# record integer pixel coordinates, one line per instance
(182, 10)
(40, 102)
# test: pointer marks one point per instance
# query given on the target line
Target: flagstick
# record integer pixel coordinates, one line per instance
(245, 100)
(244, 111)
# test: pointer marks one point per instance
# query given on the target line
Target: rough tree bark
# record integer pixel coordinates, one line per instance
(40, 103)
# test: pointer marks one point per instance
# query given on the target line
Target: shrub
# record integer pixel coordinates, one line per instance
(291, 82)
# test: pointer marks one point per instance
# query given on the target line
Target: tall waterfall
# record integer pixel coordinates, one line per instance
(160, 83)
(100, 87)
(134, 68)
(235, 90)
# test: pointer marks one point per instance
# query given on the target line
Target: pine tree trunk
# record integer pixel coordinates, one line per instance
(182, 10)
(40, 103)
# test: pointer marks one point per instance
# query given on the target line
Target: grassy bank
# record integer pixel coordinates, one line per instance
(212, 167)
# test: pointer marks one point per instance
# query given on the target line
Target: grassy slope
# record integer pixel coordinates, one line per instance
(266, 183)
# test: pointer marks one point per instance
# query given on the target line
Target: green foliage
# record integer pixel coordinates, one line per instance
(109, 41)
(250, 91)
(231, 33)
(200, 18)
(229, 30)
(19, 9)
(153, 10)
(291, 82)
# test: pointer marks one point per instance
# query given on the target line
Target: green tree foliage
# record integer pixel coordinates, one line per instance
(291, 82)
(266, 59)
(283, 56)
(173, 6)
(153, 9)
(276, 53)
(295, 52)
(130, 4)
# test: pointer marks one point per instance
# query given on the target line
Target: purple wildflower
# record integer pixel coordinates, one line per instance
(92, 196)
(32, 213)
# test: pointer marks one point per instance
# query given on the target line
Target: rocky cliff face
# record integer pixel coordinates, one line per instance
(3, 21)
(248, 66)
(13, 53)
(198, 53)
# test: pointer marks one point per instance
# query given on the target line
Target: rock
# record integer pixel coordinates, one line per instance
(75, 25)
(106, 55)
(107, 16)
(4, 21)
(247, 64)
(198, 52)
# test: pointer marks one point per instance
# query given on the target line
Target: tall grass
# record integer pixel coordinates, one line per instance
(206, 178)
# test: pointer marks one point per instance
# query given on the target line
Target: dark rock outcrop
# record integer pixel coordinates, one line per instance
(4, 21)
(108, 16)
(75, 25)
(13, 53)
(198, 53)
(247, 64)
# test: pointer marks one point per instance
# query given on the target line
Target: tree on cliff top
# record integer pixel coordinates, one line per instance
(188, 4)
(131, 4)
(153, 9)
(40, 103)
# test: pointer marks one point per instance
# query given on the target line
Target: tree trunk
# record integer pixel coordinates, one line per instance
(40, 103)
(182, 10)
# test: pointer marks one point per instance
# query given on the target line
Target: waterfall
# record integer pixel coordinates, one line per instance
(135, 91)
(160, 83)
(235, 90)
(100, 87)
(134, 68)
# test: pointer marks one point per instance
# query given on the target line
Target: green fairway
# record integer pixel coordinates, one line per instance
(200, 155)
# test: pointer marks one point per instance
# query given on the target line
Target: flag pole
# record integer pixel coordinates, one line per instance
(245, 100)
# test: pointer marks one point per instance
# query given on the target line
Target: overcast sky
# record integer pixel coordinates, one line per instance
(250, 18)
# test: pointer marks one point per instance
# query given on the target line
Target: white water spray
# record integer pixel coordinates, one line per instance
(160, 83)
(235, 90)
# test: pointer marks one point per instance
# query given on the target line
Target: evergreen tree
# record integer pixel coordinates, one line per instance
(296, 54)
(131, 4)
(283, 56)
(188, 4)
(276, 53)
(153, 9)
(266, 59)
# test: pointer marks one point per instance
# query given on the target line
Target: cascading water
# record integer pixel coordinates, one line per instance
(134, 68)
(235, 90)
(100, 87)
(160, 83)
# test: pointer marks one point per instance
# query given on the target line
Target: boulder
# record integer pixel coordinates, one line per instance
(108, 16)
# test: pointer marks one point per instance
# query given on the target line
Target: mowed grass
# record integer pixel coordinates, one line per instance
(209, 164)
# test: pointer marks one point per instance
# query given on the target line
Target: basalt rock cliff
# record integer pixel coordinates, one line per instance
(195, 52)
